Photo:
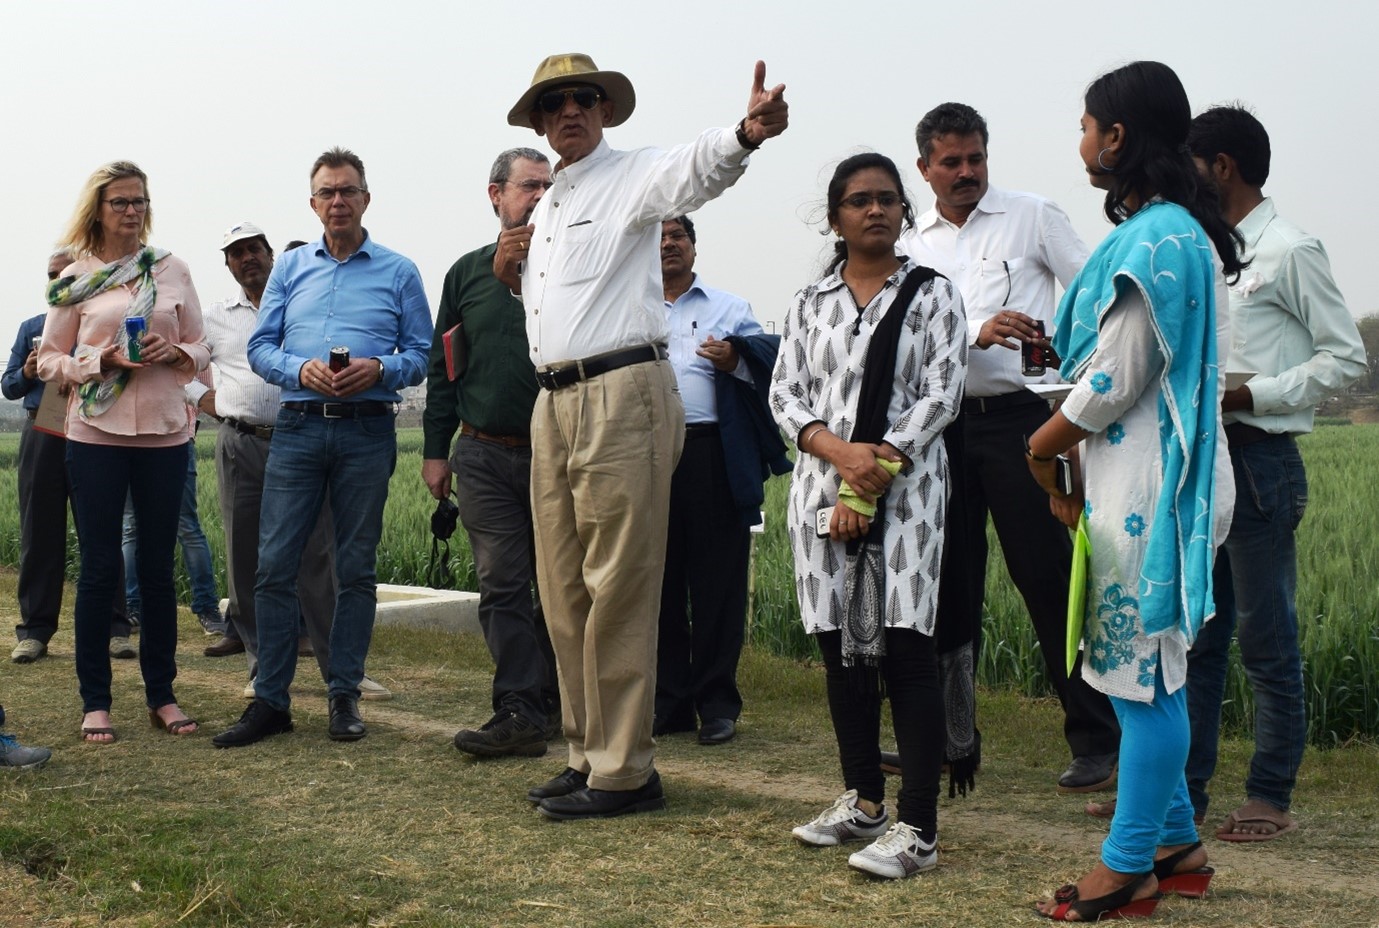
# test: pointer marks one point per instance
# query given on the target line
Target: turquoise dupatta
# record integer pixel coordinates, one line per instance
(1164, 253)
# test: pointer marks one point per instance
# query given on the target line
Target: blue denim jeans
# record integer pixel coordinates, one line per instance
(102, 476)
(196, 551)
(310, 460)
(1256, 582)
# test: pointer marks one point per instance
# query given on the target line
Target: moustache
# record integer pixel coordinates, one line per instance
(964, 183)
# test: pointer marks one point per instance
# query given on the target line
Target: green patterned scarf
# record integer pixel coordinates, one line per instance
(99, 395)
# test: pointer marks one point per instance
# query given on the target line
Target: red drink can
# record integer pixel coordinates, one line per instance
(1032, 356)
(339, 358)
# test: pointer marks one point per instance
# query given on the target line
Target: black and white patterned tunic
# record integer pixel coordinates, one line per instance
(818, 377)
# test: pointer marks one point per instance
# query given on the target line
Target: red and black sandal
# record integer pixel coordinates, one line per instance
(1190, 884)
(1119, 904)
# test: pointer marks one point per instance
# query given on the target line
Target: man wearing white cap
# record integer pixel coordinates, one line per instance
(608, 425)
(246, 407)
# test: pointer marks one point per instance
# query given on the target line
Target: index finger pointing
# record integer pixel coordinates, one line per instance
(759, 79)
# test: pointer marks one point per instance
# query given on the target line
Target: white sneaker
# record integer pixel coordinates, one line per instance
(371, 689)
(896, 854)
(28, 651)
(842, 822)
(249, 692)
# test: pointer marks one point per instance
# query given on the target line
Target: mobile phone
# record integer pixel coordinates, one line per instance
(1063, 474)
(821, 520)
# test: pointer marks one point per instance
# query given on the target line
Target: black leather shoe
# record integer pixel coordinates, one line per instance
(562, 784)
(606, 803)
(224, 647)
(890, 763)
(345, 723)
(717, 731)
(258, 722)
(1089, 773)
(669, 726)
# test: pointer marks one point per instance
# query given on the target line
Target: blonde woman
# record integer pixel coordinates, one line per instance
(124, 332)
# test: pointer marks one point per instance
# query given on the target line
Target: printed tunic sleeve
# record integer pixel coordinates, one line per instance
(791, 380)
(1126, 361)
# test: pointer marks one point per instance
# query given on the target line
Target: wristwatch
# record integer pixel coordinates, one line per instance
(380, 369)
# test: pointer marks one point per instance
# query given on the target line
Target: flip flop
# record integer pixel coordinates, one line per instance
(1256, 812)
(175, 727)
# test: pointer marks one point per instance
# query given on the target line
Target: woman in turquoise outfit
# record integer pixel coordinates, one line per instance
(1140, 336)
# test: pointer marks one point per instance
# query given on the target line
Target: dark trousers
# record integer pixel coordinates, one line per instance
(43, 499)
(240, 460)
(493, 487)
(704, 591)
(101, 476)
(993, 477)
(910, 671)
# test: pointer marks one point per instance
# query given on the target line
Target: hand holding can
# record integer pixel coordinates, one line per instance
(135, 327)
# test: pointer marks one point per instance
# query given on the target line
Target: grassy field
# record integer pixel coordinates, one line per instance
(402, 830)
(1338, 560)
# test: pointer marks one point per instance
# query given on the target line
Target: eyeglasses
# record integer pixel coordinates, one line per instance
(330, 193)
(120, 204)
(531, 186)
(553, 101)
(677, 236)
(863, 200)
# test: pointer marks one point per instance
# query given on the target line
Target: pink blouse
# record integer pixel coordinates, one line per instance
(152, 410)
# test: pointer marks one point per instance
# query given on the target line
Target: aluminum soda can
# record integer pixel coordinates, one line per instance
(135, 327)
(339, 358)
(1032, 355)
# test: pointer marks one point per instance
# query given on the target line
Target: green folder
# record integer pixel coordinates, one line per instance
(1077, 589)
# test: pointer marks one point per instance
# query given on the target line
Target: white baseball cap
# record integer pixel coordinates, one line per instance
(239, 232)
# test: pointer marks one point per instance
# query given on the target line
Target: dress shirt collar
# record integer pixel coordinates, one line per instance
(1252, 227)
(364, 250)
(694, 285)
(581, 167)
(993, 201)
(241, 300)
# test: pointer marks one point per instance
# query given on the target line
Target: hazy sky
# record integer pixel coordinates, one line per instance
(225, 105)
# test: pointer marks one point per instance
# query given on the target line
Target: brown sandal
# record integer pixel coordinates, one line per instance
(175, 727)
(87, 732)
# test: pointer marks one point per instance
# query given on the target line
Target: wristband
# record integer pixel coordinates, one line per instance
(742, 139)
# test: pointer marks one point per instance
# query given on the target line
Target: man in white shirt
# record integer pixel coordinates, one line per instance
(1004, 250)
(246, 408)
(608, 425)
(1290, 325)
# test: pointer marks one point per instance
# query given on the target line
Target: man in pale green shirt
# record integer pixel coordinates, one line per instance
(1291, 327)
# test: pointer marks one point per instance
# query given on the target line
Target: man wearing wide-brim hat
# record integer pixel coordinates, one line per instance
(608, 425)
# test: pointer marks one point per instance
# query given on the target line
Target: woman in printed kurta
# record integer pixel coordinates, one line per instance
(886, 631)
(1139, 336)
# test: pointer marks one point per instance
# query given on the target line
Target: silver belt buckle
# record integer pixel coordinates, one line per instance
(327, 414)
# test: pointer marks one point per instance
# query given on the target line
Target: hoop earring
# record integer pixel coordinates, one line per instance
(1102, 164)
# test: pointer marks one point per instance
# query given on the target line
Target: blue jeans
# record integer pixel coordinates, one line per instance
(1256, 583)
(102, 476)
(312, 459)
(196, 552)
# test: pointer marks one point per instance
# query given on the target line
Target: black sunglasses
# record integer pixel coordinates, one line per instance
(552, 101)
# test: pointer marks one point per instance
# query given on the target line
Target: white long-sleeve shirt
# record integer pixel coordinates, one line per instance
(592, 282)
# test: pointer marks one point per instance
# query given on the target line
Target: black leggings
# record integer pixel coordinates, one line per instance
(910, 669)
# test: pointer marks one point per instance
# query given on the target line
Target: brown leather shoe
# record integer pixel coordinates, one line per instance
(224, 647)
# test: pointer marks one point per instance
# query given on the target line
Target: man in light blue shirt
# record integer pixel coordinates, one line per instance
(334, 436)
(1291, 327)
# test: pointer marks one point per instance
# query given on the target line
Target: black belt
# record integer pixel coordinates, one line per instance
(700, 429)
(33, 413)
(507, 441)
(572, 372)
(976, 405)
(1238, 434)
(258, 431)
(344, 410)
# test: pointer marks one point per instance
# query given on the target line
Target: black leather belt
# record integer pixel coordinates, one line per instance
(33, 413)
(258, 431)
(977, 405)
(1238, 434)
(344, 410)
(700, 429)
(507, 441)
(572, 372)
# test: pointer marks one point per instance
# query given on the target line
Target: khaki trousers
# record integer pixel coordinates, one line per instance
(603, 452)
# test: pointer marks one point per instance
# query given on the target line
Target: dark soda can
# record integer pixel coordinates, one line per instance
(135, 327)
(339, 358)
(1032, 362)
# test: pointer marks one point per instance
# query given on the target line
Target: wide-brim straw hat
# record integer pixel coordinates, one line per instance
(572, 68)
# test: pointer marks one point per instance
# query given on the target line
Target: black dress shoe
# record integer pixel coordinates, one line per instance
(345, 723)
(562, 784)
(1089, 774)
(606, 803)
(660, 727)
(258, 722)
(717, 731)
(890, 763)
(224, 647)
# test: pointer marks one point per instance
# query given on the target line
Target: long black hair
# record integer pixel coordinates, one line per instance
(1147, 98)
(838, 186)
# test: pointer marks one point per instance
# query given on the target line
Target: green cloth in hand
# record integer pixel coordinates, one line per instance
(849, 498)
